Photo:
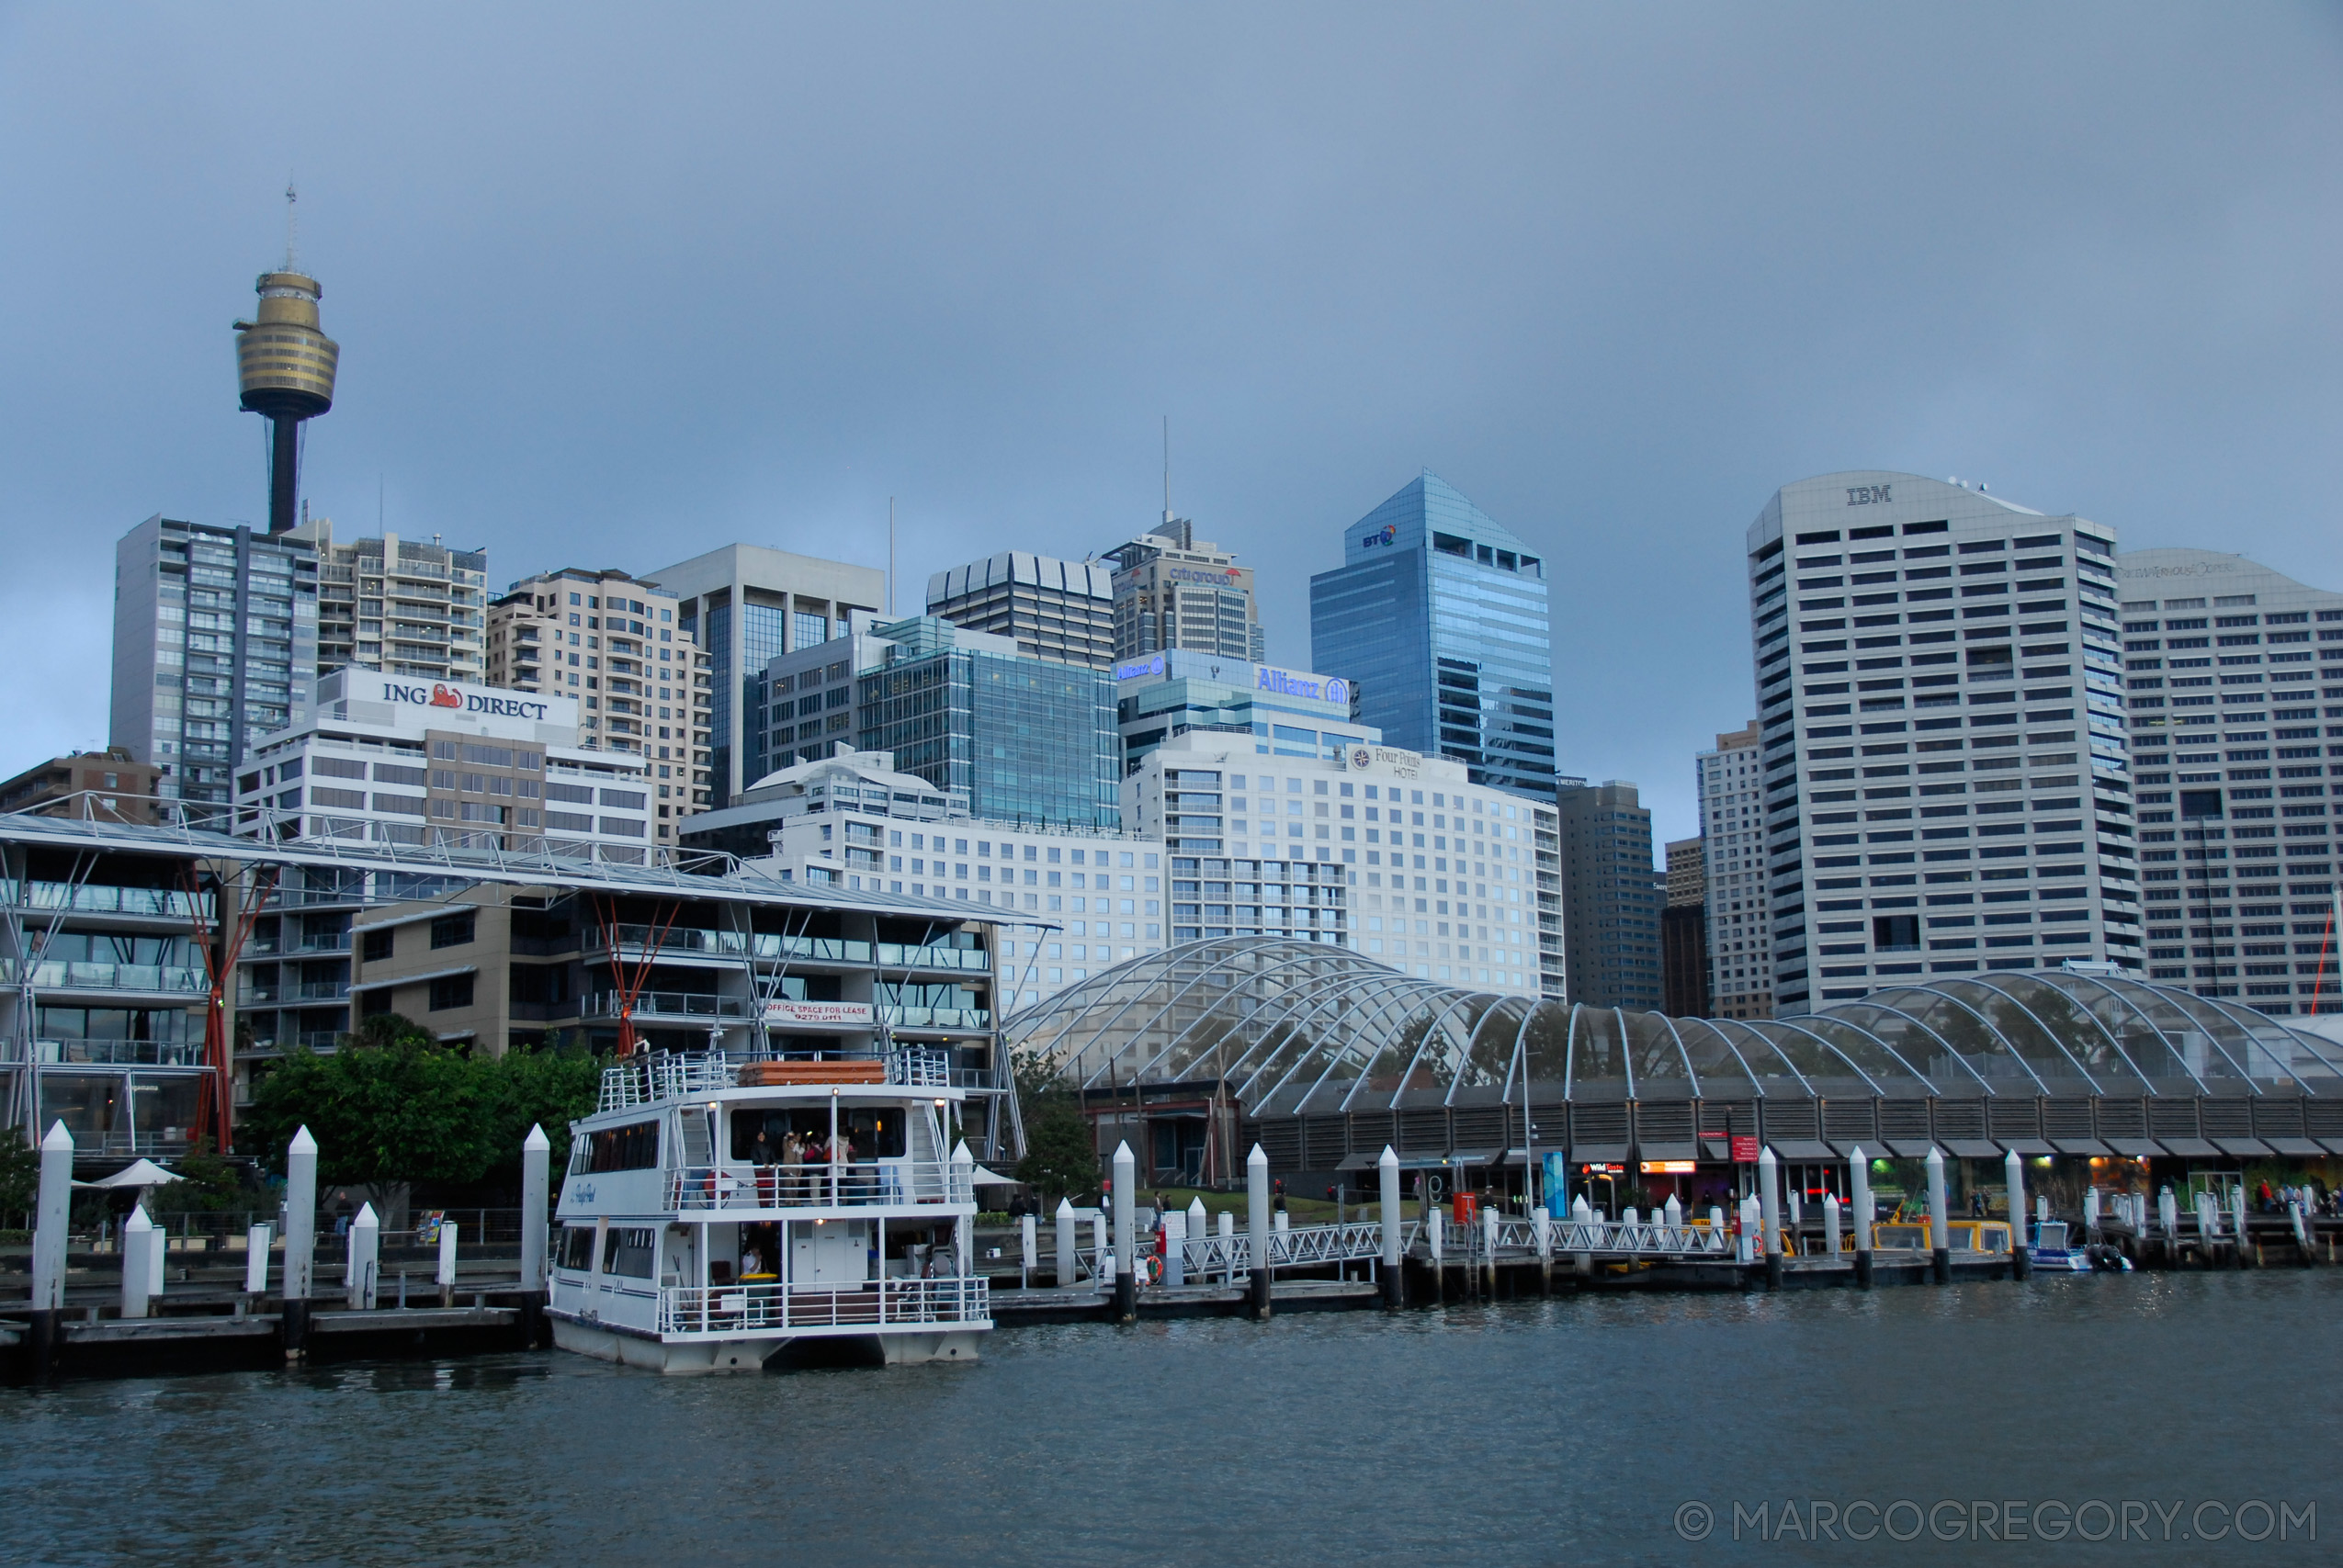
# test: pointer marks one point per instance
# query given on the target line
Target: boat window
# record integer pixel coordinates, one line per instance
(634, 1146)
(875, 1132)
(577, 1247)
(631, 1252)
(776, 1123)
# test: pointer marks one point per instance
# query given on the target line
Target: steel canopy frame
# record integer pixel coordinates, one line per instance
(728, 877)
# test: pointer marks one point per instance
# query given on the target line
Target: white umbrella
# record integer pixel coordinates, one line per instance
(138, 1173)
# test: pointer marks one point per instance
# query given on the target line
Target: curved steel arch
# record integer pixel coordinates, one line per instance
(1827, 1044)
(1953, 1051)
(2049, 1033)
(2171, 1045)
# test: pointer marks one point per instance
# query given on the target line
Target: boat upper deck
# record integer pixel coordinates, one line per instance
(662, 1078)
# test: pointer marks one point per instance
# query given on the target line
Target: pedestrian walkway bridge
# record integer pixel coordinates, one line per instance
(1501, 1239)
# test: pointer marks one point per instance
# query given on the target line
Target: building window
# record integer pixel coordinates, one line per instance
(451, 991)
(376, 945)
(454, 930)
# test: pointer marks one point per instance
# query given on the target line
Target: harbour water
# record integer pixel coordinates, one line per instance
(1580, 1430)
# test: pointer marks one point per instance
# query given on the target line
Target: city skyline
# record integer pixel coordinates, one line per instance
(1583, 378)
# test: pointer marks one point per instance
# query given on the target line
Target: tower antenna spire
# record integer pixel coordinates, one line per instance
(292, 232)
(1167, 468)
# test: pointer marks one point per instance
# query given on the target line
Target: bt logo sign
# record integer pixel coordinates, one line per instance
(1382, 536)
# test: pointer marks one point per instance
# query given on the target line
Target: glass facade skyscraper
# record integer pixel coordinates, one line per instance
(1439, 614)
(1004, 736)
(215, 639)
(745, 604)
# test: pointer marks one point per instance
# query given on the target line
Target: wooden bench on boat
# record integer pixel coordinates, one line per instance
(775, 1075)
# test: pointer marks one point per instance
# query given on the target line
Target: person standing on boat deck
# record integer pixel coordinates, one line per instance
(793, 1160)
(761, 1156)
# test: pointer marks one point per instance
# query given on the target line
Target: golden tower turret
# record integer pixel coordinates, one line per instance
(285, 366)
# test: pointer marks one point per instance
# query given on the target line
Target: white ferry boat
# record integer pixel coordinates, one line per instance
(724, 1216)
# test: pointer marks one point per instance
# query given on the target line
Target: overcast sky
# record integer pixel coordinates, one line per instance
(614, 285)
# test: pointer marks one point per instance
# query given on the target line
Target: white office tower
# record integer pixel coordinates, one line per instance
(1091, 898)
(1740, 937)
(2226, 661)
(1390, 853)
(1947, 787)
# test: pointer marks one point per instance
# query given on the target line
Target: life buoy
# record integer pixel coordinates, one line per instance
(1153, 1268)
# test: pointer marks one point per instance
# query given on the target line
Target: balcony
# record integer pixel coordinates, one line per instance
(120, 1052)
(666, 1006)
(958, 1020)
(291, 993)
(145, 903)
(689, 942)
(276, 947)
(143, 979)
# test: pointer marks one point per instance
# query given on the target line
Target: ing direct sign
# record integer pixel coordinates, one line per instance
(459, 699)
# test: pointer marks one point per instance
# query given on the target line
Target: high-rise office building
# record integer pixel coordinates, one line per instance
(215, 639)
(744, 605)
(1289, 713)
(1003, 735)
(2225, 660)
(402, 606)
(1611, 898)
(1176, 590)
(1438, 614)
(1052, 609)
(1939, 690)
(615, 645)
(1683, 931)
(1730, 782)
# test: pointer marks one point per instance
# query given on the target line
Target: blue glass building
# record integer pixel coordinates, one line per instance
(1439, 616)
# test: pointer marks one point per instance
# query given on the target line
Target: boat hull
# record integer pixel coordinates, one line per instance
(700, 1357)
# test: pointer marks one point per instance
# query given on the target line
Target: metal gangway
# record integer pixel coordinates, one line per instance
(1493, 1238)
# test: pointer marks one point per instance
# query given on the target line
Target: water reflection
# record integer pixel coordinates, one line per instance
(1528, 1432)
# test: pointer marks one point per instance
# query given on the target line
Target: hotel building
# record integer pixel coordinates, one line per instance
(1390, 853)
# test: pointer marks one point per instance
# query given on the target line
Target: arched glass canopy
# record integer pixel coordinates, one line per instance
(1284, 1026)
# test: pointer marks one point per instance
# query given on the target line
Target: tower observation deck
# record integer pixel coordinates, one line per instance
(285, 366)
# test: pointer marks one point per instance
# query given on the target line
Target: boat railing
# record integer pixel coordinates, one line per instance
(861, 1184)
(917, 1066)
(875, 1304)
(664, 1075)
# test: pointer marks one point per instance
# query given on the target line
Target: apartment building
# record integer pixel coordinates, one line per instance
(613, 645)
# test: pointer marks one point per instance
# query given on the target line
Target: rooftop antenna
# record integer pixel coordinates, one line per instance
(1167, 469)
(292, 232)
(890, 558)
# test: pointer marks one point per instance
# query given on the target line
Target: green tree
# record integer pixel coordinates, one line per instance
(391, 1105)
(548, 1087)
(1061, 1152)
(19, 1175)
(206, 1184)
